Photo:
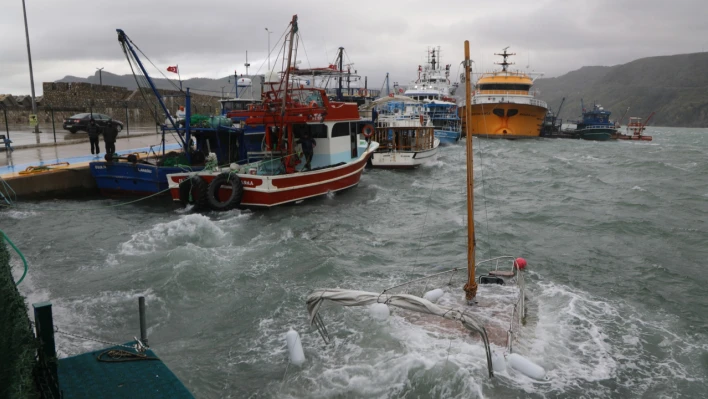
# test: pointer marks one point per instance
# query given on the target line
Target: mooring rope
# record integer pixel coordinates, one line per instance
(19, 253)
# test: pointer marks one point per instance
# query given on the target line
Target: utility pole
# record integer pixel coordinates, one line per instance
(267, 52)
(29, 57)
(100, 77)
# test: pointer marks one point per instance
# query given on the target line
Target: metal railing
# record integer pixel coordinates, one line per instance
(404, 138)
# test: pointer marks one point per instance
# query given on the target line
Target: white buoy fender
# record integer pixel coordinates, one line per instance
(498, 362)
(297, 355)
(434, 295)
(526, 366)
(379, 311)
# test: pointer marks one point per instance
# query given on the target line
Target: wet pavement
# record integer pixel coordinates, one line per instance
(21, 158)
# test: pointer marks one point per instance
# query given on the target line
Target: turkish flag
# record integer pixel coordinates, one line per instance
(172, 69)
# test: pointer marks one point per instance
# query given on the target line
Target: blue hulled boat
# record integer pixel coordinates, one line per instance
(595, 125)
(145, 173)
(444, 118)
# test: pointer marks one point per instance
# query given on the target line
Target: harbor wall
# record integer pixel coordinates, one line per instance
(18, 347)
(62, 100)
(67, 183)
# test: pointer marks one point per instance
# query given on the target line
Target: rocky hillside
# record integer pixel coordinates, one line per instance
(197, 85)
(676, 87)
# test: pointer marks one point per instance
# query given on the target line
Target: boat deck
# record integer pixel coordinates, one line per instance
(85, 376)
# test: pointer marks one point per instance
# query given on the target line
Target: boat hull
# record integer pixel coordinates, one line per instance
(596, 134)
(447, 136)
(404, 159)
(495, 120)
(261, 191)
(125, 178)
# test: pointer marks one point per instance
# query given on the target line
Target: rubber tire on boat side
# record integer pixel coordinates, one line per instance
(236, 192)
(198, 188)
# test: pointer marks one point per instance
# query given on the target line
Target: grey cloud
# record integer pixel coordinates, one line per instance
(209, 38)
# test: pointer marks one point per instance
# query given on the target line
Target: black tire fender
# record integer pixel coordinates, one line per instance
(198, 189)
(234, 199)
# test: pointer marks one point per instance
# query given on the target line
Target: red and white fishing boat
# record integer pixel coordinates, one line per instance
(635, 130)
(286, 115)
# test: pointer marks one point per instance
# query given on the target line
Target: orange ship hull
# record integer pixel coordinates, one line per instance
(506, 120)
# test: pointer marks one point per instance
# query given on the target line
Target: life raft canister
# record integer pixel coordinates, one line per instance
(367, 130)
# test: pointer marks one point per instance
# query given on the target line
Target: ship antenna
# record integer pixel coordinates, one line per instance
(505, 64)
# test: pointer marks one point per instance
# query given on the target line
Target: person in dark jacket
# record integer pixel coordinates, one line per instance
(109, 137)
(93, 136)
(308, 145)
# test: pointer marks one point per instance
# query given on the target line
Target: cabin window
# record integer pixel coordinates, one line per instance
(317, 131)
(340, 129)
(504, 86)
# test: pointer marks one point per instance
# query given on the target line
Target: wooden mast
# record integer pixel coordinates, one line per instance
(293, 30)
(471, 286)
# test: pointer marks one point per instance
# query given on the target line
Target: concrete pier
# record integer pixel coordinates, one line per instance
(65, 181)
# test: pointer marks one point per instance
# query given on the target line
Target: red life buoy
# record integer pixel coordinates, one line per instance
(367, 131)
(390, 94)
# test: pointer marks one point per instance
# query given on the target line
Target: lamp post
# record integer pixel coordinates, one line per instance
(29, 57)
(268, 52)
(100, 77)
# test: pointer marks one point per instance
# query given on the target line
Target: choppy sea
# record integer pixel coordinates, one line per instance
(615, 235)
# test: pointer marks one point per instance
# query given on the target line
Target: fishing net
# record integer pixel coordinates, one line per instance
(18, 347)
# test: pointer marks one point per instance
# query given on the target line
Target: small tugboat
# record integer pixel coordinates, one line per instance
(495, 314)
(405, 140)
(289, 115)
(595, 125)
(503, 105)
(635, 128)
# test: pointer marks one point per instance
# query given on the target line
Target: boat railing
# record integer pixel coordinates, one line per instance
(404, 138)
(503, 92)
(539, 103)
(608, 126)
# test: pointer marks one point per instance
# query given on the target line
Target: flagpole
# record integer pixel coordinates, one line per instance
(179, 77)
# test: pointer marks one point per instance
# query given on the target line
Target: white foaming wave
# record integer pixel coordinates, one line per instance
(190, 228)
(19, 215)
(413, 361)
(434, 164)
(581, 340)
(637, 188)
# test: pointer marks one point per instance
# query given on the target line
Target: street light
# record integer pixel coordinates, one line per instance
(100, 78)
(269, 32)
(29, 57)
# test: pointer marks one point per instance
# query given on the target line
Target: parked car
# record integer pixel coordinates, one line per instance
(81, 121)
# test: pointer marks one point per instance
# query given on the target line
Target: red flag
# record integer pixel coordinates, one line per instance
(172, 69)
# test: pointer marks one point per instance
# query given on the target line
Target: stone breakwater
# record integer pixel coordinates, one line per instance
(61, 100)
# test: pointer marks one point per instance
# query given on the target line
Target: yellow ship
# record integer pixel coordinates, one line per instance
(503, 105)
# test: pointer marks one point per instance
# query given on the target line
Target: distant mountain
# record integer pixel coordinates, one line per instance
(675, 86)
(198, 85)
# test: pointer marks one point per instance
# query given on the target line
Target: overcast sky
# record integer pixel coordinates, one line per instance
(209, 38)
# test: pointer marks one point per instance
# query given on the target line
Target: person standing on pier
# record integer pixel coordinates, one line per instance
(109, 137)
(93, 136)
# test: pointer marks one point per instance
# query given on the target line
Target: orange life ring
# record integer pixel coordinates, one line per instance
(367, 130)
(390, 94)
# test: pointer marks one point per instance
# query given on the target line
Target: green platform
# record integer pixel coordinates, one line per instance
(83, 376)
